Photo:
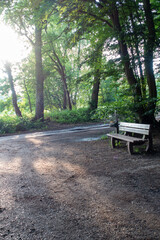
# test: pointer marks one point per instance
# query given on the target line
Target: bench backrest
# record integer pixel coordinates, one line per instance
(134, 128)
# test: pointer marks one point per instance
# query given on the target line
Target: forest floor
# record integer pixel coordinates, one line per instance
(57, 188)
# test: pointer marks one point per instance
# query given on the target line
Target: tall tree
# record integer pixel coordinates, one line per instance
(26, 16)
(61, 70)
(39, 75)
(56, 49)
(116, 14)
(14, 95)
(97, 48)
(148, 56)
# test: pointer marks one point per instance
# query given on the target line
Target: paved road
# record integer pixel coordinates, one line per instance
(81, 133)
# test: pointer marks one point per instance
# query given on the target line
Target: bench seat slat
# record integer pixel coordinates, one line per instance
(135, 125)
(134, 130)
(127, 138)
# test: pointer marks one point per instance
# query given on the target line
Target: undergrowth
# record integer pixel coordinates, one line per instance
(14, 124)
(81, 115)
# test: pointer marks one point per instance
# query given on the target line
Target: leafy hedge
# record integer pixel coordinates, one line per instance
(12, 124)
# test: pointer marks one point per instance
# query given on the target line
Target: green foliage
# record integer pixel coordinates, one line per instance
(123, 108)
(73, 116)
(12, 124)
(104, 137)
(6, 104)
(79, 40)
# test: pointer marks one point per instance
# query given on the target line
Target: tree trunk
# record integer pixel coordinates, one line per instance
(95, 91)
(142, 80)
(14, 95)
(149, 47)
(39, 75)
(135, 85)
(61, 70)
(66, 90)
(97, 77)
(64, 98)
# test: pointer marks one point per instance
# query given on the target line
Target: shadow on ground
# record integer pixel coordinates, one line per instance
(68, 190)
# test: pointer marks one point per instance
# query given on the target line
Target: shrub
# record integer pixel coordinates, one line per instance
(108, 112)
(71, 116)
(12, 124)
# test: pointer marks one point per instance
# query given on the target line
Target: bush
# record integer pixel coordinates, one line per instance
(71, 116)
(124, 111)
(12, 124)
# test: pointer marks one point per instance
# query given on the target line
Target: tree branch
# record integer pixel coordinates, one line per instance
(96, 17)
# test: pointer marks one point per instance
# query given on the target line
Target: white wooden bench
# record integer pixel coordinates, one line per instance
(133, 134)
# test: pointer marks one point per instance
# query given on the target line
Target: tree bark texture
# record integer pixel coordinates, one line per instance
(66, 90)
(39, 75)
(97, 77)
(141, 75)
(149, 48)
(95, 91)
(14, 95)
(123, 50)
(64, 99)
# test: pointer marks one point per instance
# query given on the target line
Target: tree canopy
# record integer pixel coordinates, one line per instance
(102, 55)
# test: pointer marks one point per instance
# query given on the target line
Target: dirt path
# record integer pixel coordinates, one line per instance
(67, 190)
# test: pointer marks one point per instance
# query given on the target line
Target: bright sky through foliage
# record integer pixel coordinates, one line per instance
(11, 48)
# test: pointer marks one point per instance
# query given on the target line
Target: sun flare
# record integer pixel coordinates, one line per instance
(12, 49)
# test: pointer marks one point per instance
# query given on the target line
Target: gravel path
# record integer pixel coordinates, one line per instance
(56, 188)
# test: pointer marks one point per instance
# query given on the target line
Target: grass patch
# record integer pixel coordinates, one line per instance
(104, 137)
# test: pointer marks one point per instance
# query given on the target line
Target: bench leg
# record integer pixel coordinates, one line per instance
(149, 147)
(113, 142)
(130, 147)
